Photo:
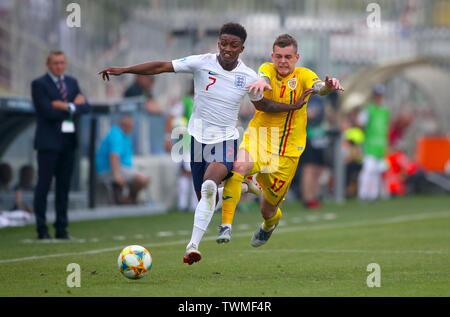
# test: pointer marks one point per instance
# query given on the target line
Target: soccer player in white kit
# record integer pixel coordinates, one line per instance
(220, 83)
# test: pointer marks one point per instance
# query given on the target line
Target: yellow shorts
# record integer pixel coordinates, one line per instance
(275, 173)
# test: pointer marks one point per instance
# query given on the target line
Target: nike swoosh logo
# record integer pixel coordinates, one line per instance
(211, 73)
(225, 198)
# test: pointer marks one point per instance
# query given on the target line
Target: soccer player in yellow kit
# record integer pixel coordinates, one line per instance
(273, 142)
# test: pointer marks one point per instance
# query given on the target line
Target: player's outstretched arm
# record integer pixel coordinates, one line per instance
(327, 86)
(258, 87)
(268, 105)
(149, 68)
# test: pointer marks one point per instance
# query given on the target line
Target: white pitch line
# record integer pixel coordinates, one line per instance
(398, 219)
(164, 234)
(312, 218)
(352, 251)
(282, 223)
(329, 216)
(37, 257)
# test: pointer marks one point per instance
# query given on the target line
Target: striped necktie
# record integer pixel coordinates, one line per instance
(62, 89)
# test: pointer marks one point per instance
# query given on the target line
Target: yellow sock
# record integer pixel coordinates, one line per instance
(269, 223)
(230, 197)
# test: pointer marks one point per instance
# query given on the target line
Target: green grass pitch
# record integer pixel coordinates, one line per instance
(312, 253)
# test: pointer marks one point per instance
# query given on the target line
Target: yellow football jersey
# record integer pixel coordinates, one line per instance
(283, 133)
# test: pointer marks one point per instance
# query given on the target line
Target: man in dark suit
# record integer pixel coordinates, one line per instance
(57, 100)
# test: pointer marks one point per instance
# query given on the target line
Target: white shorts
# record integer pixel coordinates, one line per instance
(373, 164)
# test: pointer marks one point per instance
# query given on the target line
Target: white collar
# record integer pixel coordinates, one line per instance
(54, 78)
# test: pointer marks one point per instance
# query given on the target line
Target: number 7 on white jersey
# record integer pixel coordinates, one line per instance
(213, 82)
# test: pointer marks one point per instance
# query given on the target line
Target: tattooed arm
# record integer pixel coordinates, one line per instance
(268, 105)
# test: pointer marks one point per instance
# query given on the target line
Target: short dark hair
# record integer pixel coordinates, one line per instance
(125, 115)
(26, 174)
(6, 173)
(285, 40)
(234, 29)
(54, 52)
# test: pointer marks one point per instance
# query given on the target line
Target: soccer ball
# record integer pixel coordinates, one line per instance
(134, 262)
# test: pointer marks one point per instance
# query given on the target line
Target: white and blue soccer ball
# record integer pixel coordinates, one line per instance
(134, 262)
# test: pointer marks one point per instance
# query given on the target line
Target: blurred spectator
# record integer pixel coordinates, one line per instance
(114, 162)
(352, 153)
(25, 183)
(312, 161)
(6, 174)
(398, 127)
(143, 86)
(19, 204)
(26, 177)
(374, 118)
(178, 118)
(401, 168)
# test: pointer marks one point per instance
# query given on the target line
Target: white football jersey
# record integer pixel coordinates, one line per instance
(218, 96)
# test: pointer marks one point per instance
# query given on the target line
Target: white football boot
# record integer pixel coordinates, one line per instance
(224, 234)
(253, 186)
(192, 254)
